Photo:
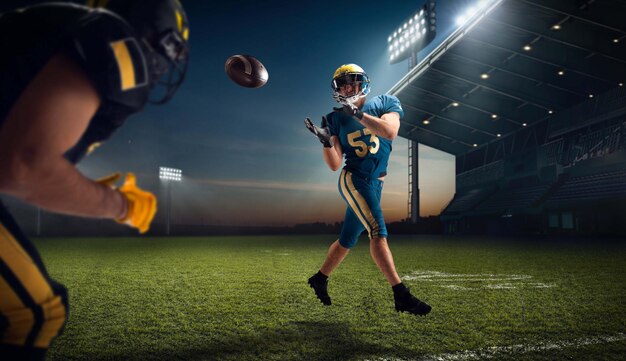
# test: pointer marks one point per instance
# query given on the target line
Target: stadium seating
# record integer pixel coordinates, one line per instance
(467, 200)
(509, 199)
(610, 185)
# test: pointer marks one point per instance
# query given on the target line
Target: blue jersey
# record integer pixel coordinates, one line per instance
(366, 154)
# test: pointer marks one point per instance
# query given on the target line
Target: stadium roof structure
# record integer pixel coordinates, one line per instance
(511, 65)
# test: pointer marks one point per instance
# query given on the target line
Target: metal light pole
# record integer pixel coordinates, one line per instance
(169, 175)
(413, 35)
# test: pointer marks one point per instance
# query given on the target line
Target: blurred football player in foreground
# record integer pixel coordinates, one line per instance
(363, 131)
(69, 77)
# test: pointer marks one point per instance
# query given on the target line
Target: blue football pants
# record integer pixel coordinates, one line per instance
(364, 212)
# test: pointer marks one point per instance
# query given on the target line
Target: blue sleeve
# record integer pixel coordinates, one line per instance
(333, 123)
(392, 104)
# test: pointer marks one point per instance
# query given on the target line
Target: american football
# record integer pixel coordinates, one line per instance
(246, 71)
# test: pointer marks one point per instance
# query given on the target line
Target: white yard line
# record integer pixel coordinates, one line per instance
(500, 351)
(491, 281)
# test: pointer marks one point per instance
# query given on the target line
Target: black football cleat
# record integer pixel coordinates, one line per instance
(320, 287)
(406, 302)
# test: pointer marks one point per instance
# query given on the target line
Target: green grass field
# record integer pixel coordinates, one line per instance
(246, 298)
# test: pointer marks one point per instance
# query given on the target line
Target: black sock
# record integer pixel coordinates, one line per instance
(320, 275)
(399, 288)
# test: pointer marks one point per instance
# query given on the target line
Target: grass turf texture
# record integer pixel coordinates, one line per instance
(246, 298)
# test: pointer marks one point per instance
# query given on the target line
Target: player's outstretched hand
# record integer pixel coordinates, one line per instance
(142, 205)
(350, 109)
(322, 133)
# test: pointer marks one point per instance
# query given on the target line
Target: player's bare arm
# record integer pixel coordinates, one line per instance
(386, 126)
(49, 118)
(333, 156)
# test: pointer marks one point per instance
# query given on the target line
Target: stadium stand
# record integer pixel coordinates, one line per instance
(595, 187)
(467, 201)
(530, 97)
(511, 200)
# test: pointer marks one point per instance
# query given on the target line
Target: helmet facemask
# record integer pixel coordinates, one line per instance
(359, 82)
(170, 66)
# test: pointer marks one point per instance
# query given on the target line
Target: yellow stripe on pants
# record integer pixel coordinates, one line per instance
(351, 203)
(36, 285)
(364, 207)
(21, 318)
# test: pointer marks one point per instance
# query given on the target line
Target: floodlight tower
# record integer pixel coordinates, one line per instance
(405, 42)
(169, 175)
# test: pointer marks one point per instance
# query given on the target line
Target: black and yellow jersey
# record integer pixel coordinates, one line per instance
(100, 42)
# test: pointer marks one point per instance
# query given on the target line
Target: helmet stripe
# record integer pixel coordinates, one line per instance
(124, 63)
(179, 21)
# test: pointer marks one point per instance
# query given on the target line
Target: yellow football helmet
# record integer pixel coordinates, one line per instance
(350, 74)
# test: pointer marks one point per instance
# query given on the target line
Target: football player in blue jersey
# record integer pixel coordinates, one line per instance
(70, 76)
(363, 131)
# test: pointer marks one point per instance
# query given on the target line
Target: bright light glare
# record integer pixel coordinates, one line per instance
(462, 19)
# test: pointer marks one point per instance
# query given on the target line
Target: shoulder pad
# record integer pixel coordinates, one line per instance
(106, 47)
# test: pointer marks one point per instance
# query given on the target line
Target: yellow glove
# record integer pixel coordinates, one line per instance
(142, 205)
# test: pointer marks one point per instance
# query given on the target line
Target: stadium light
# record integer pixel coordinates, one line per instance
(169, 175)
(173, 174)
(413, 34)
